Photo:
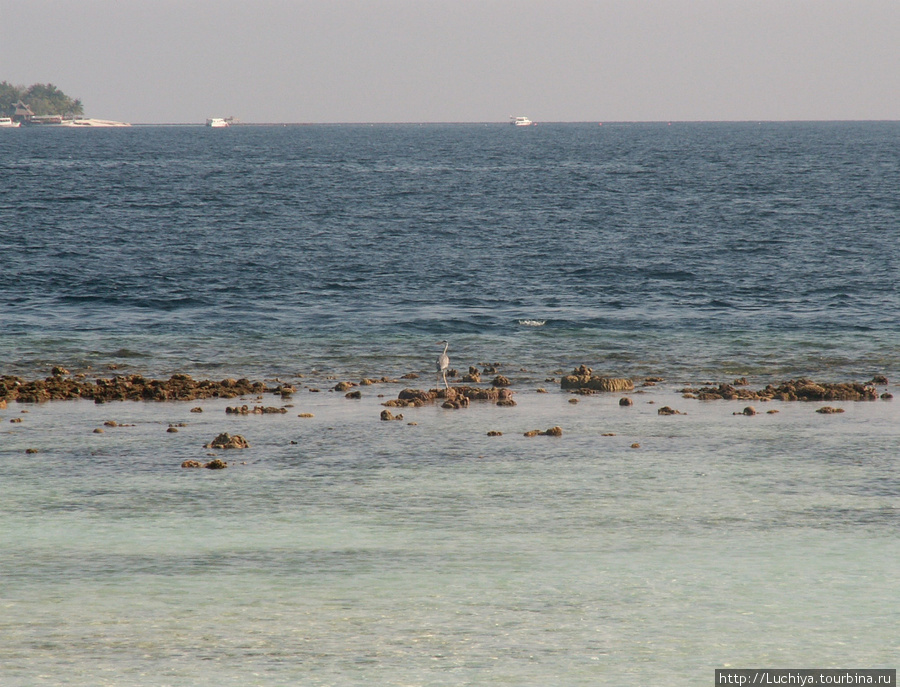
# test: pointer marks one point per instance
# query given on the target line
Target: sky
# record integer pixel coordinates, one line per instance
(160, 61)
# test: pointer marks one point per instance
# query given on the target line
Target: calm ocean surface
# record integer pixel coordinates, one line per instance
(350, 551)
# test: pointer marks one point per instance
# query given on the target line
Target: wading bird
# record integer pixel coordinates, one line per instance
(443, 362)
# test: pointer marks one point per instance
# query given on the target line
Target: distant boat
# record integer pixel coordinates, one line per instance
(8, 123)
(86, 122)
(217, 122)
(520, 121)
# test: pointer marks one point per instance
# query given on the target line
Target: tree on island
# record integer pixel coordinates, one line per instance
(42, 99)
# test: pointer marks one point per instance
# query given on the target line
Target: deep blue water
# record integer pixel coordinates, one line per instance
(694, 249)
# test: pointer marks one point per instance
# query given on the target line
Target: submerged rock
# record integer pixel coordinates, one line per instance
(552, 432)
(255, 410)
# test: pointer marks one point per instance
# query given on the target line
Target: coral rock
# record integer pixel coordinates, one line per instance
(583, 378)
(552, 432)
(225, 440)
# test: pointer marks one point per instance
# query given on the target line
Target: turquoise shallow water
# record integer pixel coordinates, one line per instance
(432, 554)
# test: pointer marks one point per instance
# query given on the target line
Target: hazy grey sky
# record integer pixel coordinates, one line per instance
(460, 60)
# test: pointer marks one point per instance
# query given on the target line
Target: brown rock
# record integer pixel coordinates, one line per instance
(829, 410)
(552, 432)
(626, 402)
(583, 378)
(500, 380)
(225, 440)
(417, 395)
(472, 377)
(666, 410)
(192, 464)
(216, 464)
(495, 433)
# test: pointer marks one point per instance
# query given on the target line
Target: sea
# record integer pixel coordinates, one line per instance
(342, 549)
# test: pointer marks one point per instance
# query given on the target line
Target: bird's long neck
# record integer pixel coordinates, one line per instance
(446, 346)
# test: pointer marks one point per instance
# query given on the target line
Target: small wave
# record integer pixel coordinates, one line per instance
(533, 323)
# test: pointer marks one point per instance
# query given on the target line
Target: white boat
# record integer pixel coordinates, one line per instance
(8, 123)
(216, 122)
(90, 122)
(520, 121)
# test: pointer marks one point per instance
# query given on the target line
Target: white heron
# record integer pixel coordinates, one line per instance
(443, 362)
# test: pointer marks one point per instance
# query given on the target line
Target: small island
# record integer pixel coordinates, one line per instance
(44, 104)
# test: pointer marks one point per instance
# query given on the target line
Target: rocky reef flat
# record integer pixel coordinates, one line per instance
(62, 386)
